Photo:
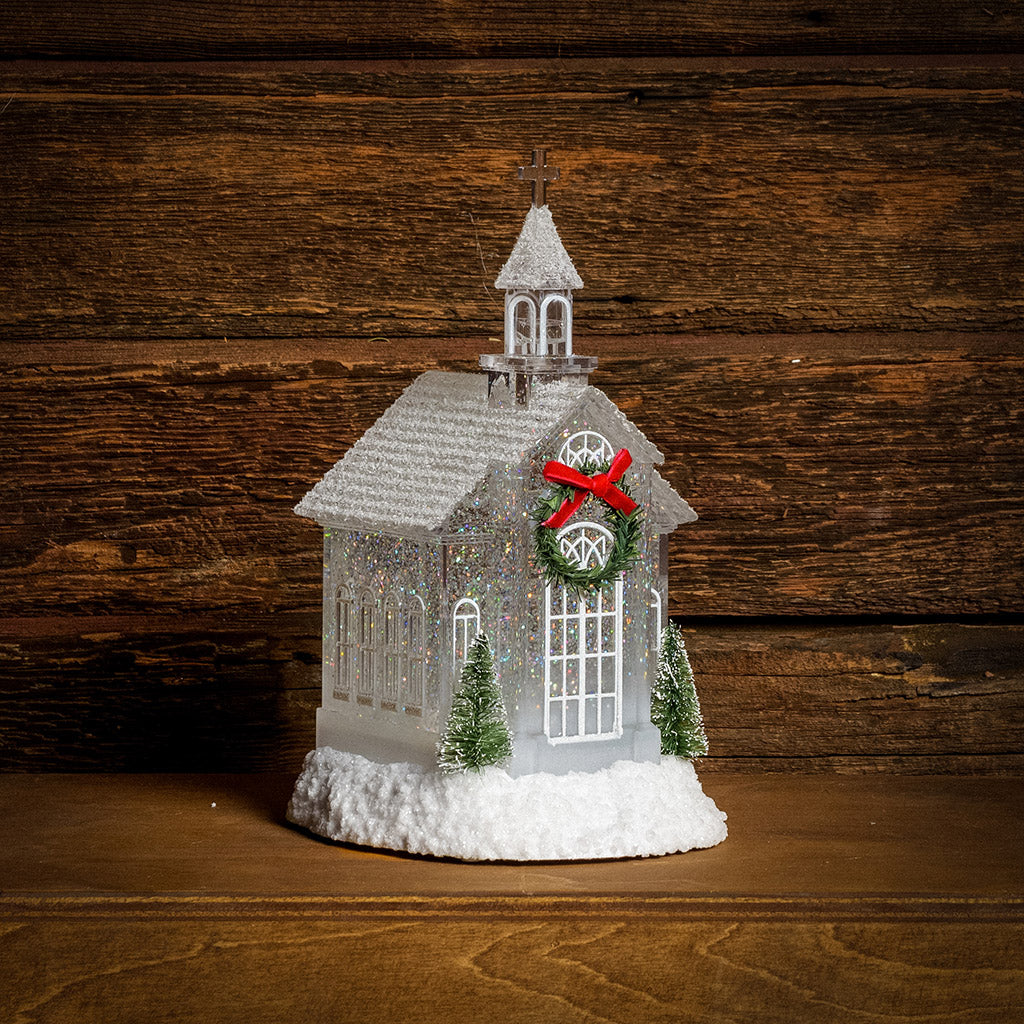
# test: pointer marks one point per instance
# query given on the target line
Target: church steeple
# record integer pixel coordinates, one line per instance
(539, 279)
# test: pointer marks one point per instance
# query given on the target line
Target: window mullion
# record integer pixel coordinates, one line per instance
(581, 671)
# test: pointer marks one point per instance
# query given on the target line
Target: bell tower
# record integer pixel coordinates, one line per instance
(539, 279)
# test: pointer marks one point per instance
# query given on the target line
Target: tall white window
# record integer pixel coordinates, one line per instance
(583, 659)
(367, 660)
(380, 651)
(393, 651)
(554, 326)
(344, 644)
(465, 626)
(583, 664)
(585, 446)
(412, 681)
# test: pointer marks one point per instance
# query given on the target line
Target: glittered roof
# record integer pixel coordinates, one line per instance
(437, 442)
(538, 260)
(668, 510)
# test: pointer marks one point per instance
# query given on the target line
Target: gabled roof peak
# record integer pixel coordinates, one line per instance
(439, 440)
(539, 261)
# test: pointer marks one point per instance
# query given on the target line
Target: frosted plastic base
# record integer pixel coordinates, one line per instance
(627, 810)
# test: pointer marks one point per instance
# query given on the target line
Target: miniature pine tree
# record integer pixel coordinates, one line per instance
(476, 734)
(674, 706)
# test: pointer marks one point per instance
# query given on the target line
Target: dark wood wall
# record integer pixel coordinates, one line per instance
(232, 233)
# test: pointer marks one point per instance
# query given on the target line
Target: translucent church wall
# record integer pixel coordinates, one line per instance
(535, 633)
(382, 693)
(572, 708)
(399, 614)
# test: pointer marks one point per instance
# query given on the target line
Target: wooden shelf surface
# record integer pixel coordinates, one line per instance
(846, 898)
(225, 835)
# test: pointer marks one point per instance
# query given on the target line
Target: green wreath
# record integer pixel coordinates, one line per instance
(624, 528)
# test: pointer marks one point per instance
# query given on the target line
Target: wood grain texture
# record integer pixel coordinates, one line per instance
(105, 29)
(811, 848)
(337, 969)
(198, 694)
(170, 898)
(833, 475)
(930, 697)
(375, 200)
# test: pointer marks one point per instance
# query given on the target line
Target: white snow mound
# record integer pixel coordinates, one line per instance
(627, 810)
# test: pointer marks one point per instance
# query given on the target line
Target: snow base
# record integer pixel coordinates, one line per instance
(627, 810)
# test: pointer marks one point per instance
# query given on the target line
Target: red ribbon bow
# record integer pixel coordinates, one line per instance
(601, 485)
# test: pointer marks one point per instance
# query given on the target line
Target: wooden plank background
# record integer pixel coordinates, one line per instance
(802, 251)
(296, 200)
(312, 29)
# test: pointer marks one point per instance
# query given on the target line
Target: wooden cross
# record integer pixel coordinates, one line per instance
(539, 174)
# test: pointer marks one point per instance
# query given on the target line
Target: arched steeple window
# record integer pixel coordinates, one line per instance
(556, 326)
(522, 318)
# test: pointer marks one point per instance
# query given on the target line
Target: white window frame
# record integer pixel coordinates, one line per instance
(570, 710)
(392, 649)
(585, 445)
(656, 606)
(465, 627)
(413, 679)
(594, 539)
(345, 647)
(366, 682)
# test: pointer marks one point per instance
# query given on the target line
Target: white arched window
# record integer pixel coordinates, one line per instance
(586, 545)
(465, 627)
(522, 319)
(367, 661)
(393, 650)
(344, 644)
(585, 446)
(656, 616)
(412, 681)
(555, 326)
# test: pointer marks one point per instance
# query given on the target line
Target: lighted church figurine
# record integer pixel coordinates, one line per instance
(495, 579)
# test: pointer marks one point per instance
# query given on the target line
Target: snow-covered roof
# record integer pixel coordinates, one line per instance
(538, 260)
(435, 444)
(668, 510)
(429, 450)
